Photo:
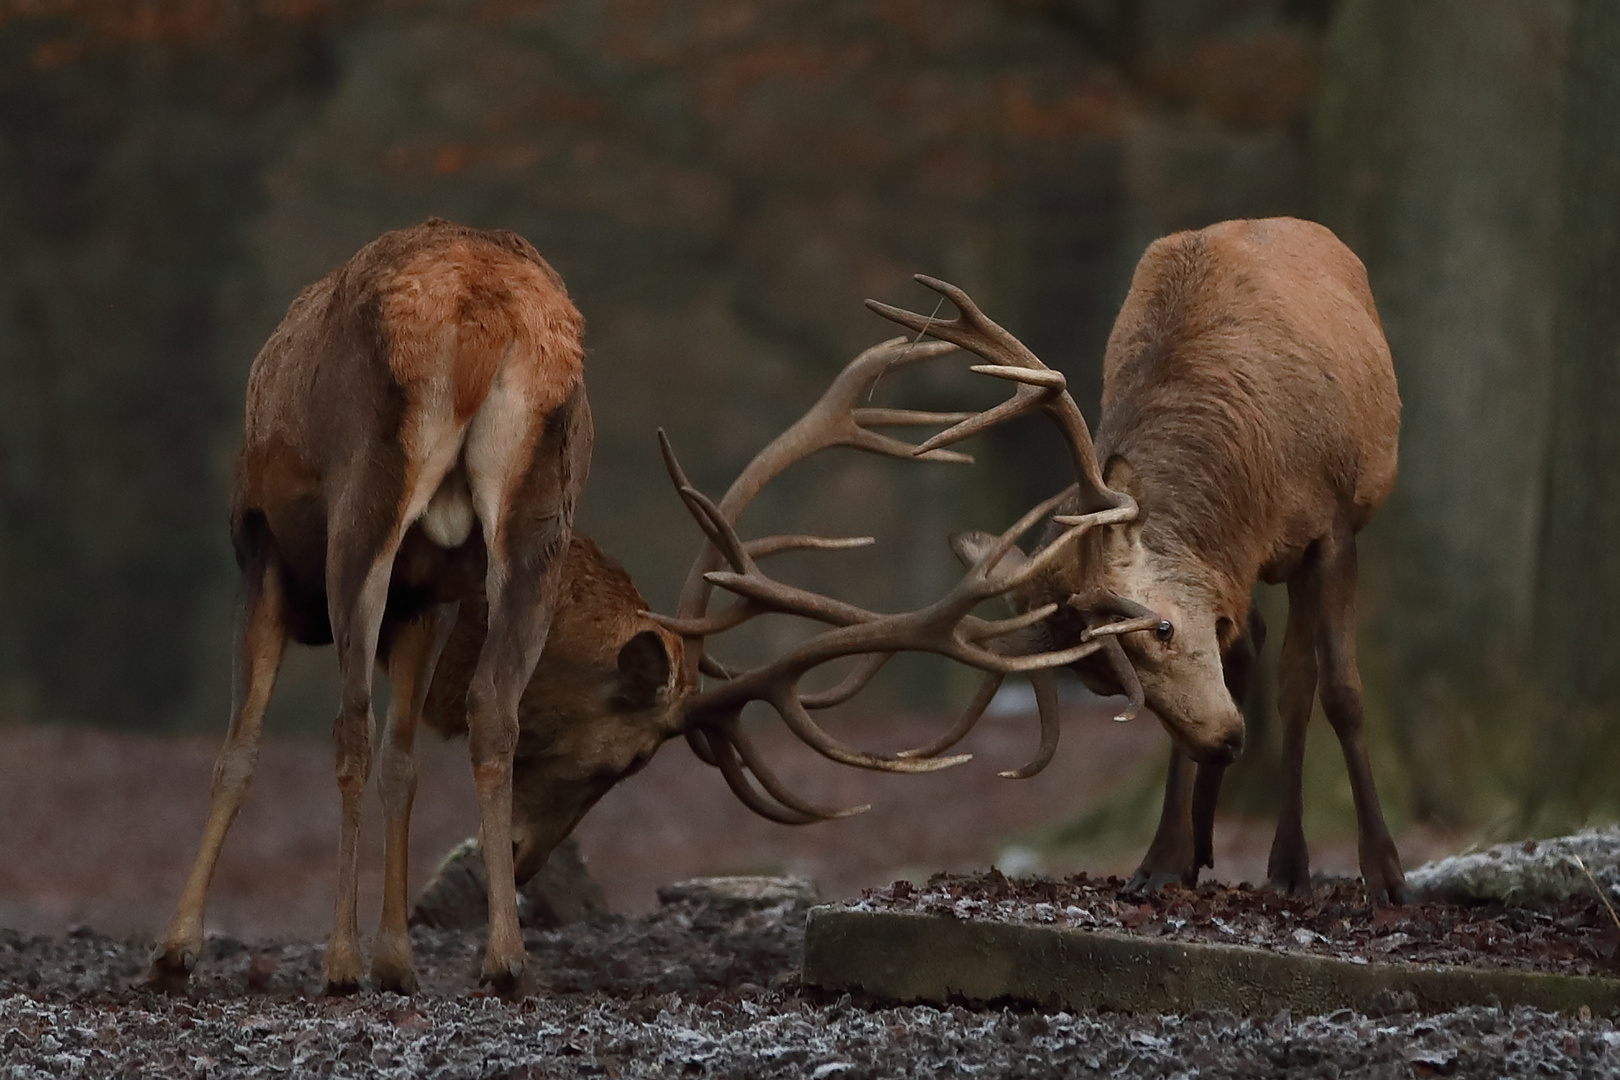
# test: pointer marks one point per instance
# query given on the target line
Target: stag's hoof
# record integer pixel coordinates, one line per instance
(393, 979)
(340, 987)
(1291, 876)
(1149, 880)
(504, 981)
(1385, 882)
(170, 969)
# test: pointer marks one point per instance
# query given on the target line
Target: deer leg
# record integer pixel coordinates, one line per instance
(519, 619)
(1237, 666)
(1170, 856)
(358, 571)
(1341, 701)
(1289, 867)
(262, 640)
(411, 661)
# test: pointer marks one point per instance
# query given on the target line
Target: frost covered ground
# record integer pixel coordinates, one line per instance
(696, 989)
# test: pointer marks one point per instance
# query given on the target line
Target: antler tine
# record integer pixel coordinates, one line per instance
(970, 716)
(1128, 680)
(775, 788)
(871, 664)
(1046, 705)
(724, 753)
(1009, 358)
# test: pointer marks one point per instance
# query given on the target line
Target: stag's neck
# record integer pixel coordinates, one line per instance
(1205, 492)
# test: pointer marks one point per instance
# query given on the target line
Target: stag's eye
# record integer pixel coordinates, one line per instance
(1164, 631)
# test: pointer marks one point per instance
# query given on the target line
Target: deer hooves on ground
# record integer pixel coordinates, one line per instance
(170, 972)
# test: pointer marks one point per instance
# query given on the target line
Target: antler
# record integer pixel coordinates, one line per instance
(945, 627)
(1039, 388)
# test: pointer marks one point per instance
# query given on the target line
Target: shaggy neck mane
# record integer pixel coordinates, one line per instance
(1191, 427)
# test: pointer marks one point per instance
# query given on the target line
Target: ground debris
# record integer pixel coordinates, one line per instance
(68, 1007)
(1574, 936)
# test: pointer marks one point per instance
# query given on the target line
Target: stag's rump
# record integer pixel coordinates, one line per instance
(413, 385)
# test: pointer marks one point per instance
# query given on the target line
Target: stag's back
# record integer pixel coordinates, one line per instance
(1248, 384)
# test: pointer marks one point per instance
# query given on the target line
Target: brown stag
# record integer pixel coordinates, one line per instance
(416, 432)
(1250, 408)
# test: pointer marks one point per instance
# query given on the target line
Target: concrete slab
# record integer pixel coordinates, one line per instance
(909, 957)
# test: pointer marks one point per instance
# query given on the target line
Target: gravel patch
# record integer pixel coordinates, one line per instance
(699, 988)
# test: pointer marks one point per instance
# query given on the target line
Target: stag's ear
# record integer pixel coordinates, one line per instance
(644, 667)
(972, 545)
(1118, 474)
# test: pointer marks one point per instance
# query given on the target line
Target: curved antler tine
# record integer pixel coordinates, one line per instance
(718, 623)
(726, 760)
(985, 660)
(698, 739)
(702, 508)
(772, 545)
(878, 417)
(958, 731)
(778, 791)
(786, 703)
(1045, 378)
(878, 443)
(1114, 629)
(1055, 548)
(1128, 681)
(986, 629)
(870, 665)
(1008, 539)
(711, 667)
(1046, 703)
(972, 426)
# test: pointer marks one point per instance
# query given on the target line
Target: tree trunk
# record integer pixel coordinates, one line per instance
(1437, 133)
(1578, 596)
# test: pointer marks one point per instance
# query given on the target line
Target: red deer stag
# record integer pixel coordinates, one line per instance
(416, 432)
(1249, 406)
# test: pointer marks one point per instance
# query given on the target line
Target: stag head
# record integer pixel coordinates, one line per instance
(1159, 611)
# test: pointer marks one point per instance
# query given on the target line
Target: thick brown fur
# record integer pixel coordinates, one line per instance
(1250, 408)
(416, 433)
(609, 689)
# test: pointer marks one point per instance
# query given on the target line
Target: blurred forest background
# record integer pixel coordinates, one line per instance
(721, 183)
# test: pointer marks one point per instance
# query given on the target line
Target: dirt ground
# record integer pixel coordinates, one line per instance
(100, 830)
(689, 990)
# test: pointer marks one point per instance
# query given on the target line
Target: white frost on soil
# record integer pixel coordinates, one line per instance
(1530, 872)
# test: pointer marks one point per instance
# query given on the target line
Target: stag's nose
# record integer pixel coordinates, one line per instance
(1227, 750)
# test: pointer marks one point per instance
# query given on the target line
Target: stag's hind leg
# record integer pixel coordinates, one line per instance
(366, 525)
(524, 485)
(411, 660)
(262, 640)
(1341, 701)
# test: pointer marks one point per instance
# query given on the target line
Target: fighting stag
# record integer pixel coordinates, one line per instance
(416, 433)
(1250, 408)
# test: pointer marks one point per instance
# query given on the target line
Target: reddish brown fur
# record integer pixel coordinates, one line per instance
(588, 717)
(441, 366)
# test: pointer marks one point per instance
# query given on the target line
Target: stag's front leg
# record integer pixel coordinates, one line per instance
(1341, 701)
(263, 639)
(357, 591)
(1170, 857)
(411, 662)
(1289, 867)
